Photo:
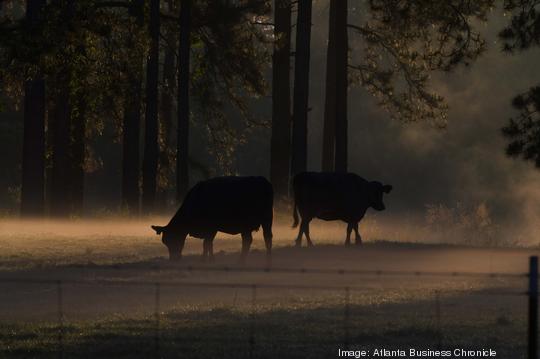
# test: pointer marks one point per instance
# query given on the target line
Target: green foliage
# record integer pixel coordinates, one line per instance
(229, 58)
(523, 131)
(523, 30)
(404, 41)
(90, 48)
(79, 49)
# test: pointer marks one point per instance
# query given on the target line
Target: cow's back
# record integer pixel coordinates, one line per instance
(329, 195)
(228, 204)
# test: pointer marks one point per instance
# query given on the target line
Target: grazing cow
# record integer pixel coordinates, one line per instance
(335, 196)
(224, 204)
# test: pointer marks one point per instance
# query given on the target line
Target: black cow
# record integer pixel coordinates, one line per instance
(224, 204)
(335, 196)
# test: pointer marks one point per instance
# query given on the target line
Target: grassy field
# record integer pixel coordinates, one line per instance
(295, 329)
(108, 301)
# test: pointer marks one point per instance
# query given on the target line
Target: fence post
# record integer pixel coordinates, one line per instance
(533, 307)
(252, 318)
(438, 318)
(60, 308)
(347, 316)
(157, 318)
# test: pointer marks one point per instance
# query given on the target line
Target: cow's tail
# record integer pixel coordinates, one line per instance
(295, 214)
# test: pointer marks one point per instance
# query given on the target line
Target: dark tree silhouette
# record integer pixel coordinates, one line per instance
(329, 127)
(523, 30)
(301, 88)
(228, 71)
(402, 43)
(522, 33)
(335, 133)
(342, 84)
(151, 148)
(96, 54)
(33, 161)
(182, 149)
(280, 142)
(167, 168)
(61, 120)
(77, 152)
(59, 199)
(130, 146)
(523, 131)
(131, 124)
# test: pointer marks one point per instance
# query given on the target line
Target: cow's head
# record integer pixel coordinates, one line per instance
(174, 240)
(377, 189)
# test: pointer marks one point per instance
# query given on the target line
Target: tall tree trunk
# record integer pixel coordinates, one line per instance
(167, 98)
(59, 197)
(167, 107)
(130, 145)
(182, 149)
(151, 149)
(33, 161)
(342, 50)
(169, 82)
(329, 127)
(132, 125)
(280, 142)
(301, 88)
(77, 154)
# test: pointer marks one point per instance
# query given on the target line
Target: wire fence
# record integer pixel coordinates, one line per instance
(303, 270)
(252, 340)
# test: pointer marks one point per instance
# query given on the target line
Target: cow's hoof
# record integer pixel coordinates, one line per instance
(297, 244)
(358, 243)
(310, 244)
(347, 243)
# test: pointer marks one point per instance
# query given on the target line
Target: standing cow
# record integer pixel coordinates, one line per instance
(224, 204)
(335, 196)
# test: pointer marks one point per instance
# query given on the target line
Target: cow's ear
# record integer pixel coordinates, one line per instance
(158, 229)
(387, 188)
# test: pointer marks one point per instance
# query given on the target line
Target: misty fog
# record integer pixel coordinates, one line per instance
(440, 177)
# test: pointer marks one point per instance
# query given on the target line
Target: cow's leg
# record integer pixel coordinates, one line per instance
(206, 243)
(247, 238)
(210, 246)
(267, 234)
(305, 224)
(298, 241)
(357, 237)
(349, 230)
(211, 250)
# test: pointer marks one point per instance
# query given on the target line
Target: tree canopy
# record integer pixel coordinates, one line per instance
(522, 33)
